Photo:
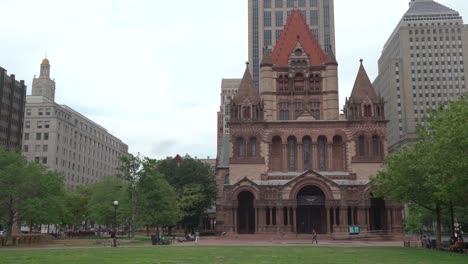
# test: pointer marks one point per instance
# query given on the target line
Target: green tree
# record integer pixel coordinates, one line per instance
(101, 201)
(76, 205)
(130, 171)
(157, 199)
(195, 186)
(28, 191)
(431, 173)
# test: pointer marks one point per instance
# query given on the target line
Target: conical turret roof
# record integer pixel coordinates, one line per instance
(331, 59)
(266, 60)
(247, 89)
(362, 86)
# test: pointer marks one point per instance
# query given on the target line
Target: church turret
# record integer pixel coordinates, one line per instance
(267, 87)
(330, 87)
(44, 86)
(364, 104)
(247, 105)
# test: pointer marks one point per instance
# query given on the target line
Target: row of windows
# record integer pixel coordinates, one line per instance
(39, 124)
(434, 31)
(290, 3)
(40, 111)
(280, 18)
(39, 136)
(37, 148)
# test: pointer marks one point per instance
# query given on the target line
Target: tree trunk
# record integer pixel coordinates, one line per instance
(134, 204)
(438, 228)
(147, 231)
(452, 220)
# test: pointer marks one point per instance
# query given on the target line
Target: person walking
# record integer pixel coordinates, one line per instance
(314, 236)
(197, 238)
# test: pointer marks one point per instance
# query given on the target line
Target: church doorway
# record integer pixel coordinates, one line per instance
(311, 212)
(377, 214)
(246, 213)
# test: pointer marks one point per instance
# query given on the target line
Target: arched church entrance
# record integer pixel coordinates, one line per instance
(377, 214)
(311, 212)
(246, 213)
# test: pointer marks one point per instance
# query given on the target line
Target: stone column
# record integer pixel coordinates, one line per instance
(263, 218)
(279, 218)
(343, 218)
(362, 215)
(294, 219)
(314, 157)
(300, 158)
(234, 227)
(335, 219)
(328, 231)
(329, 160)
(256, 219)
(284, 161)
(389, 219)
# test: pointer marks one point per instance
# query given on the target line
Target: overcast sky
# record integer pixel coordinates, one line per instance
(150, 71)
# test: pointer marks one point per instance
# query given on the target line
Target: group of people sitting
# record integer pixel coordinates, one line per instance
(457, 245)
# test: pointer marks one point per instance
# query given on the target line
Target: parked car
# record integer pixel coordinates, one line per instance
(2, 232)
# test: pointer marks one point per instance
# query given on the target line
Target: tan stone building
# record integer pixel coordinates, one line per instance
(421, 67)
(268, 17)
(12, 100)
(65, 140)
(291, 164)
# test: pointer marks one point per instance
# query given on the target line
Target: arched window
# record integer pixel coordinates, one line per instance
(226, 179)
(284, 114)
(306, 151)
(376, 146)
(240, 147)
(322, 141)
(361, 146)
(299, 82)
(292, 154)
(246, 112)
(253, 147)
(337, 153)
(283, 82)
(367, 111)
(276, 154)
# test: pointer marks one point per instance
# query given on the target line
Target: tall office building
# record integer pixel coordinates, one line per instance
(12, 100)
(65, 140)
(421, 67)
(268, 17)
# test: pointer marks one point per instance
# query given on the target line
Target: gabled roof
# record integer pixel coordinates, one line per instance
(428, 7)
(362, 86)
(297, 30)
(247, 89)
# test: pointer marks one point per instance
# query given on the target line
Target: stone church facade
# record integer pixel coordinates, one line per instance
(291, 163)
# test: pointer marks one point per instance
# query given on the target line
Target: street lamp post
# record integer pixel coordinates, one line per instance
(114, 241)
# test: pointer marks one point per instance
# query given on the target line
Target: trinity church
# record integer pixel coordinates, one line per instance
(291, 162)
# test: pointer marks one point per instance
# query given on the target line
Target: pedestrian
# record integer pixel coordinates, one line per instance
(314, 236)
(197, 238)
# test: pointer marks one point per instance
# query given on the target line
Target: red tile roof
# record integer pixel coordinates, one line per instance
(296, 29)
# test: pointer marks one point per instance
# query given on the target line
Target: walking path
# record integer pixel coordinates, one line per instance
(227, 241)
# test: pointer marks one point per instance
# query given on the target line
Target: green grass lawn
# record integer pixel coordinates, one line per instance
(231, 254)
